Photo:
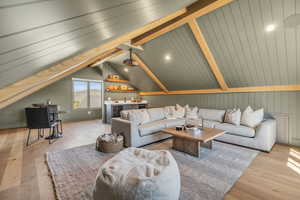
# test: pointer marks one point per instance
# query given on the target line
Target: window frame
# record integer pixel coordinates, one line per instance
(88, 93)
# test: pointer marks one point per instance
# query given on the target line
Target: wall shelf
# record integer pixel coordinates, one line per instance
(122, 91)
(116, 81)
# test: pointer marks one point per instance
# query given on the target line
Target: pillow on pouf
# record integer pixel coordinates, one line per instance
(233, 117)
(252, 118)
(135, 174)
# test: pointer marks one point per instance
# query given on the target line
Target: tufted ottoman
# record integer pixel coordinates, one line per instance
(138, 174)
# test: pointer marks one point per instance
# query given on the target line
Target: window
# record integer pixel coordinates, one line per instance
(87, 94)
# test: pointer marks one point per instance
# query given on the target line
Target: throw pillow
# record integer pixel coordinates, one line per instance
(145, 117)
(252, 118)
(124, 114)
(169, 112)
(233, 117)
(139, 116)
(134, 116)
(191, 113)
(179, 111)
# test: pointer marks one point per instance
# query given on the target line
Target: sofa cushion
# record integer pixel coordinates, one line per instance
(212, 114)
(145, 116)
(156, 114)
(236, 130)
(173, 122)
(170, 112)
(191, 113)
(151, 127)
(179, 111)
(206, 123)
(233, 117)
(210, 123)
(136, 116)
(252, 118)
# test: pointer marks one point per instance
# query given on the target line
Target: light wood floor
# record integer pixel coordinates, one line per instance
(24, 174)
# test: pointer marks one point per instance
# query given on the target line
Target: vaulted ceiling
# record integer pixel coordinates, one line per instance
(213, 46)
(246, 54)
(37, 34)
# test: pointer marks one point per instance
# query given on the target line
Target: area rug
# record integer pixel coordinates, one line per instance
(210, 177)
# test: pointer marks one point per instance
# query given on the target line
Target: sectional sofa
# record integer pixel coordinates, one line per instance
(138, 132)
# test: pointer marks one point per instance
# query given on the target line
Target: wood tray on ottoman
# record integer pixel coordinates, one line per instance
(190, 143)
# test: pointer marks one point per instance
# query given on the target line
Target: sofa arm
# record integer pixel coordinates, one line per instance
(266, 134)
(126, 128)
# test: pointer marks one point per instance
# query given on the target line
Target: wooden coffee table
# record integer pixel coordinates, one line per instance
(190, 143)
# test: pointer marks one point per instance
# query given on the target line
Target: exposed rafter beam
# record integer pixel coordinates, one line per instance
(197, 9)
(116, 53)
(17, 90)
(23, 88)
(207, 53)
(149, 72)
(274, 88)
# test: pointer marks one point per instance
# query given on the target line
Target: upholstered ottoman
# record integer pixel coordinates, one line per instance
(138, 174)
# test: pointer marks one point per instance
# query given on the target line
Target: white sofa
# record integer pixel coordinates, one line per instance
(262, 137)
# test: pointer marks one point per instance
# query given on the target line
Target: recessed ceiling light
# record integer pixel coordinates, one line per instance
(168, 57)
(270, 27)
(126, 69)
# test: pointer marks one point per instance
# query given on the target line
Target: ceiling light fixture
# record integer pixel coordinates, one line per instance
(168, 57)
(270, 28)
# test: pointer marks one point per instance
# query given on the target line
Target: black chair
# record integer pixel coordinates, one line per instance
(53, 115)
(39, 118)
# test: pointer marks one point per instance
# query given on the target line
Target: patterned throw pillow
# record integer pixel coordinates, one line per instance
(179, 111)
(169, 112)
(233, 117)
(191, 113)
(252, 118)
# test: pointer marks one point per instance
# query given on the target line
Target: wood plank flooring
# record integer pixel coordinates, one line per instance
(24, 174)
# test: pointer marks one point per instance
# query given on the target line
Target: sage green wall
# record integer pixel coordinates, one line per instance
(274, 102)
(60, 93)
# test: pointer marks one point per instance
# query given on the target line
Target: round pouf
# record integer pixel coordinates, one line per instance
(138, 174)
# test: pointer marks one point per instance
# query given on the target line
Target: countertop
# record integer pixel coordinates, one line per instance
(124, 103)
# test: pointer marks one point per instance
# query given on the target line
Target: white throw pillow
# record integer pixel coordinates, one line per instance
(145, 117)
(138, 117)
(179, 111)
(252, 118)
(233, 117)
(191, 113)
(124, 114)
(169, 112)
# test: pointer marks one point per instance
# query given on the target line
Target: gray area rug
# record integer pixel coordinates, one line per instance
(209, 177)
